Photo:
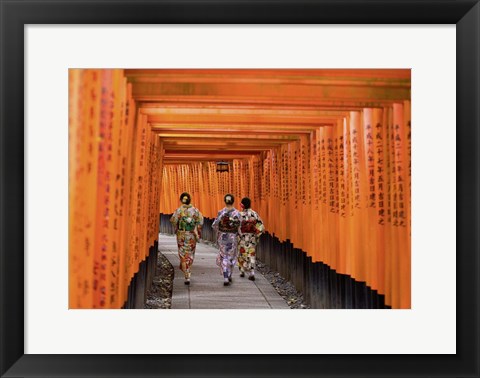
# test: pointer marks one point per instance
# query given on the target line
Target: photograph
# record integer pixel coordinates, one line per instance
(239, 188)
(173, 170)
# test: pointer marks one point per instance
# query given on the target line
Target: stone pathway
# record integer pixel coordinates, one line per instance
(206, 290)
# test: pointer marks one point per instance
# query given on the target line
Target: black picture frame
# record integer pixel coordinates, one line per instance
(16, 14)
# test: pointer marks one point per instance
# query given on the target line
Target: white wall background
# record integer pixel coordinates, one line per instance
(429, 327)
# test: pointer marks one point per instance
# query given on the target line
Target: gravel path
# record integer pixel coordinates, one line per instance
(160, 294)
(285, 288)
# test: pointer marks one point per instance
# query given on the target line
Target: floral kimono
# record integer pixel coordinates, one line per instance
(226, 225)
(251, 227)
(187, 222)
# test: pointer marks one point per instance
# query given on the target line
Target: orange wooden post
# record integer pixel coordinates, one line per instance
(407, 145)
(400, 202)
(117, 97)
(83, 130)
(390, 237)
(349, 192)
(380, 197)
(354, 220)
(341, 202)
(370, 241)
(126, 198)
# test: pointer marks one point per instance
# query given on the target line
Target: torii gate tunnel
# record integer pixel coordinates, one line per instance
(324, 156)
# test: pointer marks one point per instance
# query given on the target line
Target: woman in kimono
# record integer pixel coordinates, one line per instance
(226, 228)
(187, 222)
(251, 227)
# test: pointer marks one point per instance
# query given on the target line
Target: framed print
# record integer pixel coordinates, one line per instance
(42, 40)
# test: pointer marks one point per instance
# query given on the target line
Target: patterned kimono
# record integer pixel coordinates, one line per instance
(251, 227)
(226, 225)
(187, 222)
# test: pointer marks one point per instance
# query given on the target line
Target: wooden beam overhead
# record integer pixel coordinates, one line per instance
(208, 114)
(209, 156)
(152, 110)
(238, 128)
(216, 149)
(209, 101)
(272, 90)
(260, 75)
(201, 118)
(237, 137)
